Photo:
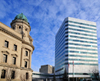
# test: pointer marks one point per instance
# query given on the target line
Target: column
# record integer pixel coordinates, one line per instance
(30, 59)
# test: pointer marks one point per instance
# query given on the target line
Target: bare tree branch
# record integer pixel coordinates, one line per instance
(9, 74)
(95, 72)
(23, 77)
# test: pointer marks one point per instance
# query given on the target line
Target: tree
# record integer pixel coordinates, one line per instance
(95, 74)
(10, 74)
(54, 78)
(24, 77)
(65, 76)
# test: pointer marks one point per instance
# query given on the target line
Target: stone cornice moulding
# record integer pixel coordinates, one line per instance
(5, 52)
(27, 69)
(28, 44)
(10, 33)
(26, 59)
(5, 66)
(14, 55)
(26, 48)
(8, 66)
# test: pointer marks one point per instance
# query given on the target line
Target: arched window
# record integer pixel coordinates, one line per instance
(19, 27)
(13, 74)
(13, 28)
(14, 60)
(6, 44)
(5, 58)
(26, 53)
(26, 64)
(15, 47)
(3, 74)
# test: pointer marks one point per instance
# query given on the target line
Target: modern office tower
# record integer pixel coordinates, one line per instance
(76, 48)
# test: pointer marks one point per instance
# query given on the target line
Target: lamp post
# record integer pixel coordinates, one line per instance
(73, 70)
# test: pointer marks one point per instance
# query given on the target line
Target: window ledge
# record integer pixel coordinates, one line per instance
(4, 64)
(5, 47)
(14, 50)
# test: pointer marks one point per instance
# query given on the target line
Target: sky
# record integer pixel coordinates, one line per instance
(45, 18)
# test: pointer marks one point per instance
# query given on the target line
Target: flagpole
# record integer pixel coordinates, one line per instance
(73, 70)
(68, 72)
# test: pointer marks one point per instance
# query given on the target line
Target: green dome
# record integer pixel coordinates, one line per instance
(21, 16)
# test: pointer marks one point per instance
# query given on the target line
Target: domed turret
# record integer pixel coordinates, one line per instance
(21, 16)
(20, 24)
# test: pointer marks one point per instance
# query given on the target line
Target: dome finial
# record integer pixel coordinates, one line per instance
(21, 16)
(21, 13)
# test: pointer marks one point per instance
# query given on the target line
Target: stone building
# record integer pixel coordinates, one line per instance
(47, 69)
(16, 49)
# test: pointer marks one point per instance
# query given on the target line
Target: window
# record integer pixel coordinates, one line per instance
(26, 29)
(19, 27)
(6, 44)
(26, 75)
(3, 73)
(5, 58)
(25, 63)
(14, 60)
(15, 47)
(13, 75)
(13, 27)
(26, 53)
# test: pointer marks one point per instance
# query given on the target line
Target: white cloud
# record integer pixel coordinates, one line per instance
(45, 17)
(63, 9)
(32, 2)
(4, 8)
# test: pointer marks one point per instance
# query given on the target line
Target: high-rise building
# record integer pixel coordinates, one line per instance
(76, 48)
(16, 48)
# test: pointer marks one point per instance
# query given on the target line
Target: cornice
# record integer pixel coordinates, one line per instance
(8, 66)
(10, 33)
(15, 67)
(28, 69)
(23, 41)
(26, 59)
(14, 55)
(6, 52)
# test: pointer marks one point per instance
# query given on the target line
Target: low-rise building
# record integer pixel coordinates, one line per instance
(38, 76)
(47, 69)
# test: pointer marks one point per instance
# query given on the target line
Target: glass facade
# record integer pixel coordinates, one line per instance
(76, 40)
(60, 49)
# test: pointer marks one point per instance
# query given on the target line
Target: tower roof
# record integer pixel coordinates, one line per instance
(21, 16)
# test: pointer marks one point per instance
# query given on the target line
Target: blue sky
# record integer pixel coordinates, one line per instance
(45, 18)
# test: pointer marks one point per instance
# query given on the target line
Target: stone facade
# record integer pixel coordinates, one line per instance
(15, 50)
